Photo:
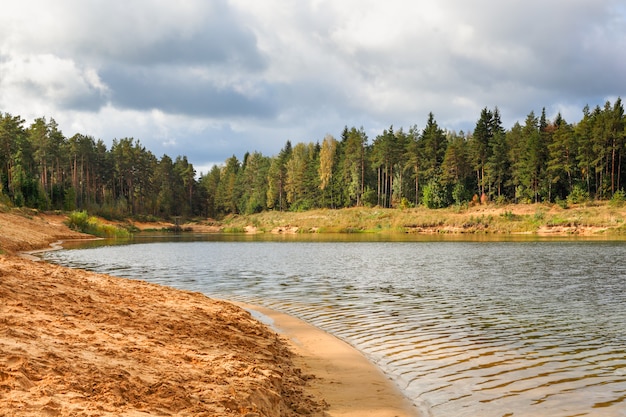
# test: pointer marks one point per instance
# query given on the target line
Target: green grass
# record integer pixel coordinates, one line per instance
(82, 222)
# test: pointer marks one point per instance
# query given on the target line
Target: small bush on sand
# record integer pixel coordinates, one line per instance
(618, 199)
(578, 196)
(82, 222)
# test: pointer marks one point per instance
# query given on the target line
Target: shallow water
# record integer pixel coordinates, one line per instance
(464, 328)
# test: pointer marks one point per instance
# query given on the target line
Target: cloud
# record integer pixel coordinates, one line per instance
(48, 78)
(142, 32)
(186, 91)
(209, 79)
(145, 54)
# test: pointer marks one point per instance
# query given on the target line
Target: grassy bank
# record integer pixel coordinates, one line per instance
(82, 222)
(600, 218)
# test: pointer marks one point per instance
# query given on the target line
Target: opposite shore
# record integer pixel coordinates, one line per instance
(80, 343)
(590, 219)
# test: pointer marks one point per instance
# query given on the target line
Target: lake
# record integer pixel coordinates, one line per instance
(464, 328)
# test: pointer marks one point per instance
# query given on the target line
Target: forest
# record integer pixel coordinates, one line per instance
(540, 160)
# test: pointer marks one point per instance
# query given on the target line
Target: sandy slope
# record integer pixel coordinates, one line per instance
(23, 232)
(75, 343)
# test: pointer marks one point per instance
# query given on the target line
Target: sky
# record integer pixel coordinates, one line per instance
(214, 78)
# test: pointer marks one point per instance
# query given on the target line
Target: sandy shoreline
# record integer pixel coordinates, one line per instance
(343, 376)
(78, 343)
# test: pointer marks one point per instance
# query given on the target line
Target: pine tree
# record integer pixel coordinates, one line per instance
(562, 157)
(497, 167)
(481, 149)
(226, 197)
(354, 145)
(456, 168)
(276, 177)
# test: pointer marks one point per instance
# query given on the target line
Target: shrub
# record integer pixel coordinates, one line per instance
(561, 203)
(618, 199)
(82, 222)
(78, 220)
(434, 195)
(578, 195)
(460, 194)
(370, 197)
(405, 204)
(501, 200)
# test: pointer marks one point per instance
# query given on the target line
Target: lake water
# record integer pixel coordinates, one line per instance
(529, 328)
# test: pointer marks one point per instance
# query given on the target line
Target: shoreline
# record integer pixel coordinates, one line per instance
(542, 219)
(312, 372)
(336, 363)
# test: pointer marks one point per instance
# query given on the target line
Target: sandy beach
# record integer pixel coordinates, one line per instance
(75, 343)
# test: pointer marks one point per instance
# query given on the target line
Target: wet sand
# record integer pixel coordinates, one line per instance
(344, 377)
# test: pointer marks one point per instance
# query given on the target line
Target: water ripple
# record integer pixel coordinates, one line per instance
(465, 329)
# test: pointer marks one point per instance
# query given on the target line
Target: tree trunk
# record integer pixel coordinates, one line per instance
(362, 173)
(613, 167)
(390, 186)
(378, 187)
(619, 171)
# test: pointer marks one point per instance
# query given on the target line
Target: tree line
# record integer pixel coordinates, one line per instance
(540, 160)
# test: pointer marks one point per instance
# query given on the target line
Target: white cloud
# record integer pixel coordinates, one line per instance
(209, 79)
(49, 82)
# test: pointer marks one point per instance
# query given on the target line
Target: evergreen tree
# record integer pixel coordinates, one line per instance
(456, 169)
(252, 183)
(383, 159)
(546, 131)
(227, 197)
(584, 148)
(414, 157)
(354, 165)
(433, 144)
(402, 142)
(297, 168)
(39, 139)
(533, 161)
(210, 182)
(481, 149)
(13, 144)
(165, 181)
(497, 167)
(562, 158)
(516, 146)
(276, 178)
(187, 177)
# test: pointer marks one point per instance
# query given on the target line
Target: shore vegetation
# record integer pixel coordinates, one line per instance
(593, 218)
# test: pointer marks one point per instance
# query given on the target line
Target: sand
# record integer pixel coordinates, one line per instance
(76, 343)
(343, 376)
